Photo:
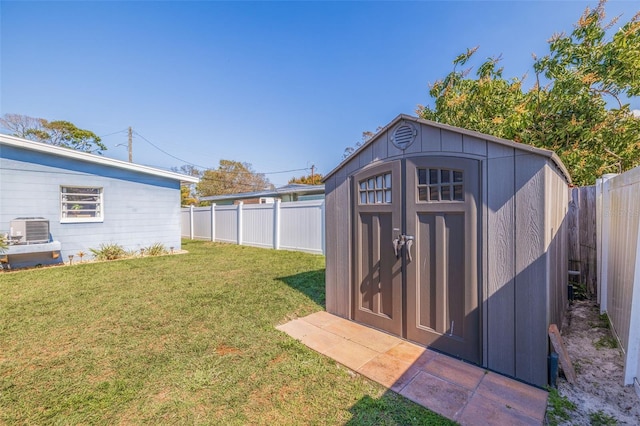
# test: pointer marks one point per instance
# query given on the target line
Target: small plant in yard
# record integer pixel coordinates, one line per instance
(577, 366)
(81, 254)
(603, 322)
(599, 418)
(109, 252)
(4, 245)
(579, 291)
(559, 407)
(607, 341)
(156, 249)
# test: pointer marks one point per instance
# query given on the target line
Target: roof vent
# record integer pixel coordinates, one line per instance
(404, 135)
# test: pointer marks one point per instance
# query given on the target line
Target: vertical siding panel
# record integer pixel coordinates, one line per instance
(365, 156)
(451, 141)
(559, 298)
(557, 197)
(353, 164)
(471, 145)
(342, 245)
(379, 149)
(430, 137)
(501, 260)
(531, 270)
(331, 220)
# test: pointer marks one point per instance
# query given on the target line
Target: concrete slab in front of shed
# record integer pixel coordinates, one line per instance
(460, 391)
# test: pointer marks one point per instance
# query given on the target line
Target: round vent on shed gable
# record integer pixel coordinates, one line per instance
(403, 135)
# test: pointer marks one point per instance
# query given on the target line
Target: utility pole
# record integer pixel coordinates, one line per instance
(130, 145)
(313, 181)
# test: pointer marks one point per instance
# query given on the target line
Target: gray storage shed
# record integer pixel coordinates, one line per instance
(453, 239)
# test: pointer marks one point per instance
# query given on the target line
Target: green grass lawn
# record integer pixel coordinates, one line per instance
(183, 339)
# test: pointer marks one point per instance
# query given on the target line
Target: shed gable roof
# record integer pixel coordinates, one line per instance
(509, 143)
(90, 158)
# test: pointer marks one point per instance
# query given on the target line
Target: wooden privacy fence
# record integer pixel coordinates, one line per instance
(295, 225)
(582, 238)
(618, 203)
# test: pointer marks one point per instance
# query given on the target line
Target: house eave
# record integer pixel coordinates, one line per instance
(26, 144)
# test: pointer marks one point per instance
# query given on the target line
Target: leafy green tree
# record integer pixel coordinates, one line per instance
(187, 198)
(59, 133)
(231, 177)
(577, 107)
(315, 179)
(188, 194)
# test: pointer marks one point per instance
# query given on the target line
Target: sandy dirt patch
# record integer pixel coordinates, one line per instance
(598, 394)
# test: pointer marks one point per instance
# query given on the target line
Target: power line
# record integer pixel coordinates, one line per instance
(114, 133)
(208, 168)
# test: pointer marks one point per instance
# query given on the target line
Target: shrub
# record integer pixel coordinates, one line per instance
(4, 244)
(109, 252)
(156, 249)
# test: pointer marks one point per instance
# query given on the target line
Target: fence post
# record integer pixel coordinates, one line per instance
(322, 227)
(191, 232)
(599, 195)
(632, 357)
(276, 225)
(606, 231)
(239, 236)
(213, 221)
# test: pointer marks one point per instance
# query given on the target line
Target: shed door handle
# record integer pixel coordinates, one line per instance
(409, 242)
(403, 240)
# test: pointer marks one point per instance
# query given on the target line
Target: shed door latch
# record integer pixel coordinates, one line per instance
(400, 241)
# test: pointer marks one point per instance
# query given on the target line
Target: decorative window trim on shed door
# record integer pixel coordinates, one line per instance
(440, 184)
(375, 189)
(81, 204)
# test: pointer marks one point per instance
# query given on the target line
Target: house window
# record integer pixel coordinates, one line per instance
(376, 189)
(440, 185)
(81, 204)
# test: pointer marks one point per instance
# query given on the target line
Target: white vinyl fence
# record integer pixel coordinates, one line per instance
(618, 239)
(296, 225)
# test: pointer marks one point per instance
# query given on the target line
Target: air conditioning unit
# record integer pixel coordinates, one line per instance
(29, 230)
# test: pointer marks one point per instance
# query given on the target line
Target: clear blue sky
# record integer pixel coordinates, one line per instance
(280, 85)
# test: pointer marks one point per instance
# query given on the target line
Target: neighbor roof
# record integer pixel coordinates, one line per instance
(91, 158)
(521, 146)
(293, 188)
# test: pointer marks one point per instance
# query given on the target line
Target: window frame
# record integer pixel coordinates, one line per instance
(435, 183)
(375, 189)
(65, 204)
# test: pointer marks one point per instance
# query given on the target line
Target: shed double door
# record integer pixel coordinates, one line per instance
(416, 252)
